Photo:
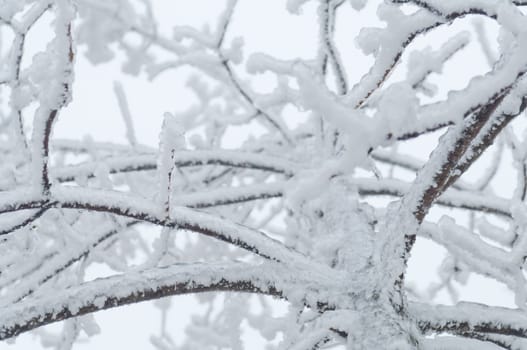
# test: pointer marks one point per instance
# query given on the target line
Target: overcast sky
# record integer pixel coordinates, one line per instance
(265, 26)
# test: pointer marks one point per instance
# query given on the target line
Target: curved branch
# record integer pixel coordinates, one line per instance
(470, 317)
(48, 110)
(121, 204)
(419, 23)
(450, 10)
(122, 164)
(388, 57)
(134, 287)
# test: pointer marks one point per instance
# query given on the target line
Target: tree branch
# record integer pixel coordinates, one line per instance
(122, 164)
(470, 317)
(110, 292)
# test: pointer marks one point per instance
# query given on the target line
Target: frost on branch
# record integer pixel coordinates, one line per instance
(171, 140)
(328, 212)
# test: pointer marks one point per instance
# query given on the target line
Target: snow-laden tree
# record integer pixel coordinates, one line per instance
(321, 211)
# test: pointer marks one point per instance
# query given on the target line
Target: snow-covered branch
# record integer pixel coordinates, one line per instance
(301, 173)
(105, 293)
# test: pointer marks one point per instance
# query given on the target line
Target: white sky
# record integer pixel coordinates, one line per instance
(266, 26)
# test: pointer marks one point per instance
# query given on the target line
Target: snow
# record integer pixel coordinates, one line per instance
(294, 6)
(125, 111)
(472, 314)
(358, 4)
(171, 139)
(422, 63)
(454, 343)
(313, 211)
(182, 158)
(112, 291)
(386, 45)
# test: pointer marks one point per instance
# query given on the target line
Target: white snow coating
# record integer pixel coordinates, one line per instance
(172, 138)
(304, 176)
(125, 111)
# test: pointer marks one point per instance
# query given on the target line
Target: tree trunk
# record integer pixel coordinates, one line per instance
(343, 232)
